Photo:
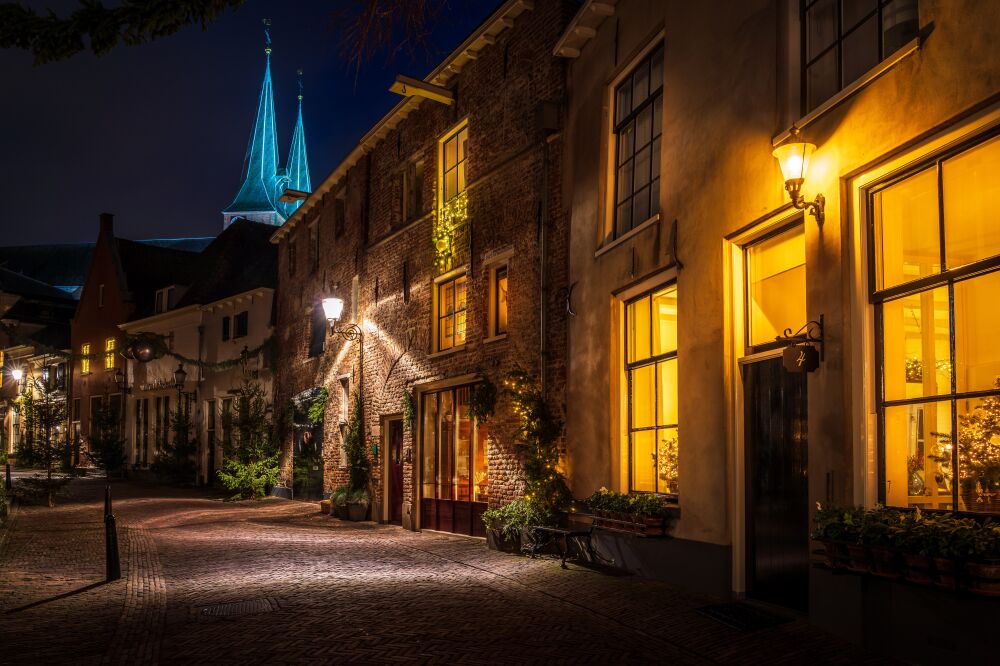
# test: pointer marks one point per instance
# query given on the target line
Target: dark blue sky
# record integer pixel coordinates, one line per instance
(156, 133)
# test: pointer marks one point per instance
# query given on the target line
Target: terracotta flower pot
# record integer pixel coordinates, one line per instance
(357, 511)
(340, 511)
(984, 578)
(325, 506)
(885, 563)
(944, 574)
(918, 569)
(859, 559)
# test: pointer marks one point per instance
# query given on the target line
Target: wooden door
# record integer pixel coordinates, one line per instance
(395, 449)
(777, 511)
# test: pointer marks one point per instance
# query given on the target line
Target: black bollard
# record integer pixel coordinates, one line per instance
(107, 501)
(113, 568)
(7, 483)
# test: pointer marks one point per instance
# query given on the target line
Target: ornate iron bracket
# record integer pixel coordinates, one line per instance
(811, 331)
(351, 332)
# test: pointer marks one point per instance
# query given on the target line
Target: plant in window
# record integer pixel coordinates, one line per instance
(666, 462)
(979, 449)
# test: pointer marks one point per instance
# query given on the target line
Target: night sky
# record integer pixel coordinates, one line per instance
(156, 133)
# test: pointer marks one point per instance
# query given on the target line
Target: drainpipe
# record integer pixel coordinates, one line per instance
(543, 215)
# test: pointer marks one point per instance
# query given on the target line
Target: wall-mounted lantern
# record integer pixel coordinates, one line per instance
(180, 376)
(17, 374)
(793, 157)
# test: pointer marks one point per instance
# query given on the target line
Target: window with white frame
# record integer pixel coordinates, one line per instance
(650, 346)
(638, 124)
(843, 39)
(451, 303)
(934, 280)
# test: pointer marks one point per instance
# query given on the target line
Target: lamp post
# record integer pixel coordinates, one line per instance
(180, 377)
(793, 158)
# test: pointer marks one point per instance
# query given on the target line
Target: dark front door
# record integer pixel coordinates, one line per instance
(775, 451)
(396, 471)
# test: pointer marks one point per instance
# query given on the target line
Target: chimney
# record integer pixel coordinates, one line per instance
(107, 224)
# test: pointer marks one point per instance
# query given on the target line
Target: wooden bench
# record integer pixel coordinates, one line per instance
(542, 535)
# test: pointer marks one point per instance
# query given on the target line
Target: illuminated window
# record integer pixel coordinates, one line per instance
(934, 289)
(451, 304)
(454, 153)
(776, 286)
(843, 39)
(651, 374)
(499, 300)
(85, 358)
(638, 125)
(454, 461)
(109, 353)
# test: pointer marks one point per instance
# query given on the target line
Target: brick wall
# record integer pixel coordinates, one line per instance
(512, 195)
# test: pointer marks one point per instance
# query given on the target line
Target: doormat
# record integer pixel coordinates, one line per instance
(743, 616)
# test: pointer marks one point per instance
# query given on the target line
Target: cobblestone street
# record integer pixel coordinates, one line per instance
(275, 582)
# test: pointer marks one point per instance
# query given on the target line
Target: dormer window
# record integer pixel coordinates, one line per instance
(163, 297)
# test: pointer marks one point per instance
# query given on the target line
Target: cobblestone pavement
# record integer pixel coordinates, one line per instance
(205, 581)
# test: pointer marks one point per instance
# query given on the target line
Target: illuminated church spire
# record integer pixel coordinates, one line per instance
(297, 167)
(263, 179)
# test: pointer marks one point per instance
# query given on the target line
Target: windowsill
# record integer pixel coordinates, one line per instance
(854, 88)
(495, 338)
(634, 231)
(447, 352)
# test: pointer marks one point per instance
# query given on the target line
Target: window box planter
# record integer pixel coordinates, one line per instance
(835, 553)
(918, 569)
(945, 576)
(645, 526)
(886, 563)
(859, 558)
(984, 578)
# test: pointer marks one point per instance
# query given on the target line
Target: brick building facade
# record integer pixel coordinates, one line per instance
(440, 212)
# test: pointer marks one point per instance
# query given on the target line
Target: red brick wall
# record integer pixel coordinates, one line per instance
(499, 94)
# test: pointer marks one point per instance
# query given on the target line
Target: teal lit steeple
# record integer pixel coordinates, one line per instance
(297, 167)
(264, 180)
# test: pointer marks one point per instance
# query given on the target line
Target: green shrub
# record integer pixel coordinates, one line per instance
(511, 518)
(339, 495)
(252, 457)
(358, 464)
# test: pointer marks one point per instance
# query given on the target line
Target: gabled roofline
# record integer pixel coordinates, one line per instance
(483, 36)
(583, 27)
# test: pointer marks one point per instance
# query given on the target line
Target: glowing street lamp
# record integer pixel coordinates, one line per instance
(17, 374)
(333, 308)
(793, 157)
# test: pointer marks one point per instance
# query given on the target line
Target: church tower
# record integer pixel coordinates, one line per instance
(264, 180)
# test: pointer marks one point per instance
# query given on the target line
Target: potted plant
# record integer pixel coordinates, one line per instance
(325, 506)
(338, 498)
(357, 505)
(506, 525)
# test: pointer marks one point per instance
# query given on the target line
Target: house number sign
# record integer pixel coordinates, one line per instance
(800, 358)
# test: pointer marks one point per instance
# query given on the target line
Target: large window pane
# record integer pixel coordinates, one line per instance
(665, 321)
(907, 235)
(915, 345)
(971, 190)
(821, 27)
(644, 396)
(979, 455)
(446, 446)
(918, 452)
(666, 460)
(666, 378)
(644, 461)
(463, 446)
(861, 50)
(776, 285)
(821, 79)
(637, 321)
(429, 467)
(481, 465)
(977, 325)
